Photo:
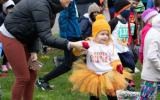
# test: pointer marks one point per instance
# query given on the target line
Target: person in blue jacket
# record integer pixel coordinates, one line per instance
(88, 18)
(70, 30)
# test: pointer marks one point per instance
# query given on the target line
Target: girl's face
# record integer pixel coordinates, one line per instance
(102, 37)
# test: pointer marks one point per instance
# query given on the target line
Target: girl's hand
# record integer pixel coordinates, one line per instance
(119, 68)
(77, 45)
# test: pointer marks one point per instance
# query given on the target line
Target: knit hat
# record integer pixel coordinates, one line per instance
(99, 25)
(7, 4)
(156, 22)
(121, 5)
(149, 13)
(93, 8)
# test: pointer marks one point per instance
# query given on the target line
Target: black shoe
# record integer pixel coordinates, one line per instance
(43, 85)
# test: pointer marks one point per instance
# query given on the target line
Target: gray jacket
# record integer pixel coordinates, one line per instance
(32, 20)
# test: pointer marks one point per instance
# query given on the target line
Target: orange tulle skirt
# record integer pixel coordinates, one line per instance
(87, 81)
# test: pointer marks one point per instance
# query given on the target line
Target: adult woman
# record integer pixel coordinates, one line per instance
(22, 29)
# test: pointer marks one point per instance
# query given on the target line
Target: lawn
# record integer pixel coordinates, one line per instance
(62, 89)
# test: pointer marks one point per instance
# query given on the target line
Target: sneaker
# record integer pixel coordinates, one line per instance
(43, 85)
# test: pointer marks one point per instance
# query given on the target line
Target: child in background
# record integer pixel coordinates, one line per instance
(150, 84)
(137, 8)
(103, 72)
(87, 20)
(119, 27)
(121, 36)
(7, 8)
(147, 16)
(133, 43)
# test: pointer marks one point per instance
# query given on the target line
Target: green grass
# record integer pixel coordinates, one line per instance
(62, 90)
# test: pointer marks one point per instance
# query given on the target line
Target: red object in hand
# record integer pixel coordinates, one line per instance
(85, 45)
(120, 68)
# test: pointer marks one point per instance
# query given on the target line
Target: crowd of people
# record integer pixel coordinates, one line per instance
(101, 45)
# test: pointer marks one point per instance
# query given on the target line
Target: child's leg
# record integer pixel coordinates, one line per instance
(148, 90)
(112, 97)
(127, 60)
(94, 98)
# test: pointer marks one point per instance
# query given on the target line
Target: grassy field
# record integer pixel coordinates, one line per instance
(62, 90)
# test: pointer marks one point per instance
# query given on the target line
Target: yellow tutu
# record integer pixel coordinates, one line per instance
(87, 81)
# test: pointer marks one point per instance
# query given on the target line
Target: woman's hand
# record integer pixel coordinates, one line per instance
(65, 3)
(33, 56)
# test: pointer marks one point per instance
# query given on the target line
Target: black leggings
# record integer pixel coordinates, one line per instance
(109, 98)
(62, 68)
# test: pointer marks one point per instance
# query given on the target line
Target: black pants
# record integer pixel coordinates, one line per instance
(109, 98)
(127, 60)
(66, 66)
